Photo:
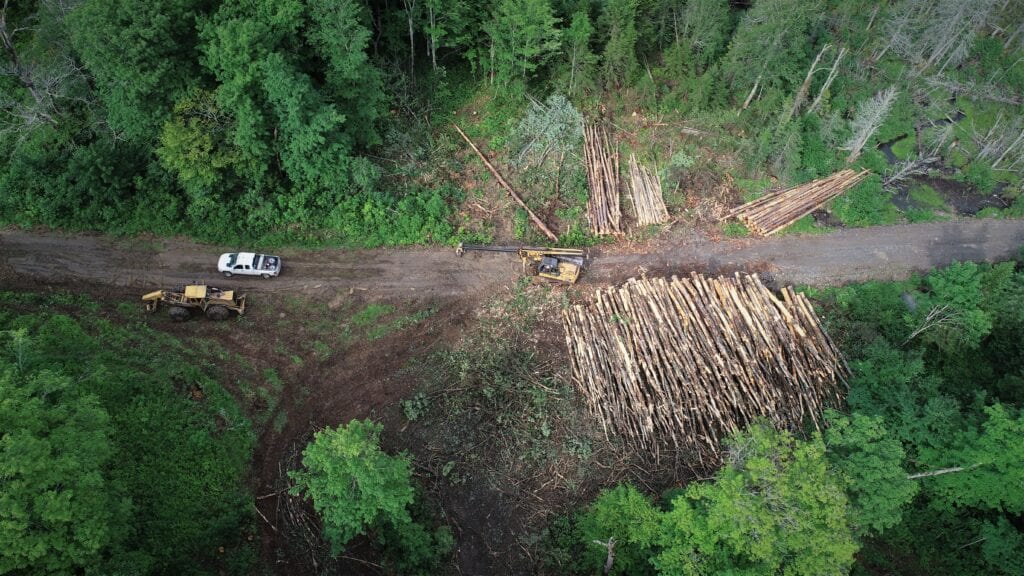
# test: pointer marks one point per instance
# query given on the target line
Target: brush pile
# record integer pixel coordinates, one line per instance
(602, 161)
(647, 200)
(684, 362)
(773, 212)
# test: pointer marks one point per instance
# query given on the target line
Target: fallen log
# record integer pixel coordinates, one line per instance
(533, 217)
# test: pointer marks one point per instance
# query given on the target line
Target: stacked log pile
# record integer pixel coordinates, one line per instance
(647, 200)
(602, 161)
(684, 362)
(773, 212)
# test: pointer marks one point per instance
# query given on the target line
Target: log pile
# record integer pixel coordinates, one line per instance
(773, 212)
(602, 161)
(647, 201)
(684, 362)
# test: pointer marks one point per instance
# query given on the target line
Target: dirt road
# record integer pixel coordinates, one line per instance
(844, 256)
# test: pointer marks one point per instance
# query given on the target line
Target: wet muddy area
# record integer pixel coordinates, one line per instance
(960, 198)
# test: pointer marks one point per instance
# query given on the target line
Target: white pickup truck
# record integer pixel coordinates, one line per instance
(249, 264)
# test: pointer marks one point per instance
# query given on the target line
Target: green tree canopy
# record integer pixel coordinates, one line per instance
(627, 516)
(619, 57)
(353, 484)
(772, 509)
(870, 462)
(59, 513)
(141, 55)
(524, 37)
(771, 45)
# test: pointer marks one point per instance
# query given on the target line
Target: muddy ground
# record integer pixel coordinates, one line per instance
(851, 255)
(318, 365)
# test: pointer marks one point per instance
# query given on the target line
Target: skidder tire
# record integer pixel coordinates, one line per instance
(218, 312)
(179, 314)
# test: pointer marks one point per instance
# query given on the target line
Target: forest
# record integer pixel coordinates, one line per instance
(326, 122)
(129, 445)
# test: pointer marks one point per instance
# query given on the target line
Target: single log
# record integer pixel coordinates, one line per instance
(537, 221)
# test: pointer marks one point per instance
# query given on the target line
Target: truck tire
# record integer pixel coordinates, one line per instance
(178, 313)
(266, 276)
(218, 312)
(227, 274)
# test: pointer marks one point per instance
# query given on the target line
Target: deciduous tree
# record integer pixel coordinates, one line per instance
(774, 508)
(354, 485)
(870, 462)
(59, 513)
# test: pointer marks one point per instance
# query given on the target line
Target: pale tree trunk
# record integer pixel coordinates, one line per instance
(750, 97)
(801, 94)
(610, 560)
(433, 41)
(572, 70)
(410, 6)
(828, 80)
(942, 471)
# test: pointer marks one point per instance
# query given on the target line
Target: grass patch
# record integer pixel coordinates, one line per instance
(867, 204)
(917, 215)
(321, 350)
(753, 189)
(371, 314)
(925, 196)
(735, 229)
(397, 324)
(904, 149)
(805, 225)
(280, 421)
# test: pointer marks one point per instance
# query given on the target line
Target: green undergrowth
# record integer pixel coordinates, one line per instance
(735, 229)
(806, 225)
(181, 444)
(866, 204)
(496, 411)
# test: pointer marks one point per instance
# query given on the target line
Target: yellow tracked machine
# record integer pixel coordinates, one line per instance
(217, 304)
(560, 264)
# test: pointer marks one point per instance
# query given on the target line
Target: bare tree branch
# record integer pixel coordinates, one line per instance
(870, 115)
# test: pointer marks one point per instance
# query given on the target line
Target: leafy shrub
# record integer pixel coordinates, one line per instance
(357, 488)
(353, 484)
(866, 204)
(817, 159)
(626, 515)
(979, 175)
(181, 464)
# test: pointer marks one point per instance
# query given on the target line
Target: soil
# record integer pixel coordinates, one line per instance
(421, 274)
(315, 298)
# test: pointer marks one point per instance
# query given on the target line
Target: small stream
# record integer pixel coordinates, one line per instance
(959, 197)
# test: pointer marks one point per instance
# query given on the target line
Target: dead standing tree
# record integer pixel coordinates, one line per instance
(870, 115)
(602, 162)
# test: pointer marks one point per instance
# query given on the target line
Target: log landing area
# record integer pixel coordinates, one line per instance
(682, 362)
